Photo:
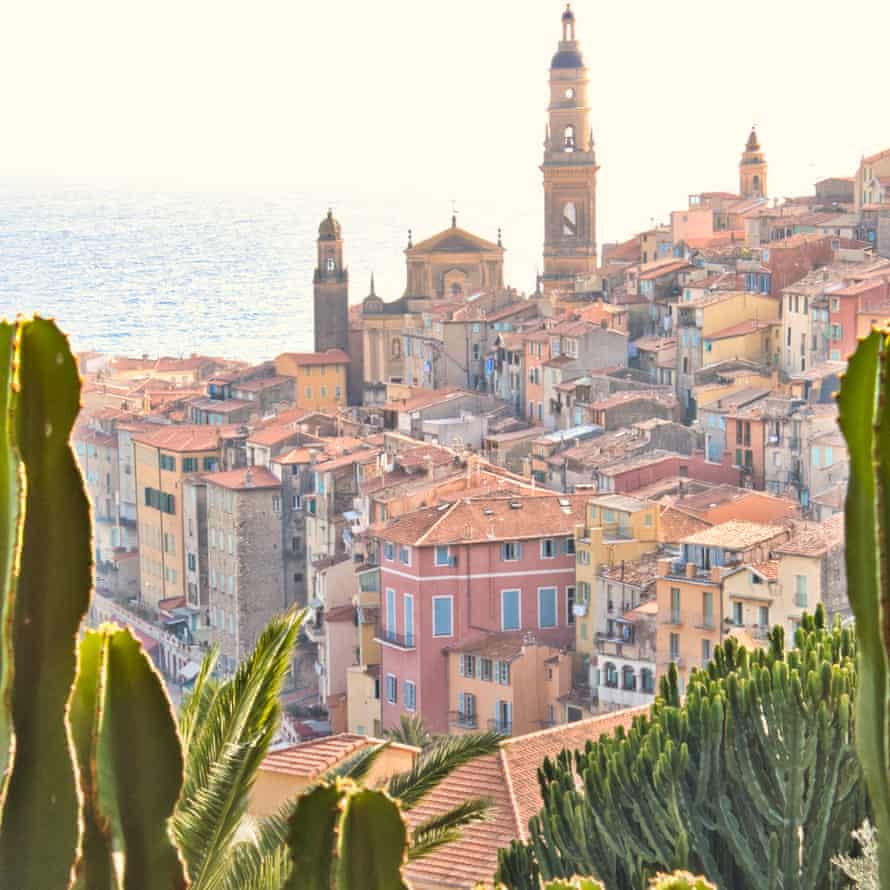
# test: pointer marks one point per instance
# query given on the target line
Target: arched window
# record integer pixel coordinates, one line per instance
(611, 675)
(331, 265)
(569, 138)
(628, 678)
(647, 680)
(456, 289)
(756, 185)
(396, 347)
(569, 219)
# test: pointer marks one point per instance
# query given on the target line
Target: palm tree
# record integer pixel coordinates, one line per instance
(411, 731)
(227, 728)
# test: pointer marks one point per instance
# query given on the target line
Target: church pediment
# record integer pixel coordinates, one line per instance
(453, 240)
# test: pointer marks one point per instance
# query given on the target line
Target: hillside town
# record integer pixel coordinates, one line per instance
(501, 508)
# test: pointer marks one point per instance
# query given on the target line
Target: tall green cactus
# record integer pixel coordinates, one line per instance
(91, 764)
(752, 780)
(865, 423)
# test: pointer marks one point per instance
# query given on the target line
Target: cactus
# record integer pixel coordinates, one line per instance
(865, 422)
(752, 780)
(345, 836)
(680, 880)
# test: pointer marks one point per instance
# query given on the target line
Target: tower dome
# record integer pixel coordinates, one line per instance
(329, 228)
(753, 143)
(568, 55)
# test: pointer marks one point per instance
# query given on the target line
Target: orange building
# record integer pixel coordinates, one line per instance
(689, 591)
(319, 378)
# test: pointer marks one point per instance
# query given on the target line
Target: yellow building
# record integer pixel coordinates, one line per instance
(618, 528)
(509, 682)
(286, 772)
(319, 378)
(363, 678)
(755, 339)
(163, 458)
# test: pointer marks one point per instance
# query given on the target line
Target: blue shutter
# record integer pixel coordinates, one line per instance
(510, 609)
(547, 607)
(391, 611)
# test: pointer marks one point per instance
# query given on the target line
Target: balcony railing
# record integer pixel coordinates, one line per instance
(801, 600)
(403, 641)
(463, 720)
(501, 726)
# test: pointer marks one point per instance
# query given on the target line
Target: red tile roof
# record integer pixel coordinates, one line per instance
(510, 780)
(245, 479)
(305, 359)
(314, 757)
(183, 438)
(752, 325)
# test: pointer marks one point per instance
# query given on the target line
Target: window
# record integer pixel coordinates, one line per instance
(675, 605)
(628, 678)
(675, 646)
(389, 551)
(466, 708)
(467, 666)
(330, 265)
(209, 464)
(763, 616)
(611, 673)
(510, 610)
(409, 619)
(485, 669)
(570, 604)
(190, 465)
(707, 608)
(569, 546)
(167, 462)
(192, 562)
(705, 651)
(392, 689)
(548, 548)
(737, 614)
(502, 671)
(410, 695)
(443, 616)
(801, 594)
(276, 504)
(584, 557)
(390, 618)
(443, 556)
(405, 556)
(511, 551)
(546, 607)
(584, 591)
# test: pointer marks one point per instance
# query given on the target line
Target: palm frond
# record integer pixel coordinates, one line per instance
(411, 731)
(445, 755)
(357, 766)
(225, 751)
(197, 703)
(260, 858)
(444, 828)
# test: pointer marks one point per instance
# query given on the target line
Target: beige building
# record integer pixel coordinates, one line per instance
(245, 558)
(363, 678)
(163, 459)
(872, 184)
(287, 772)
(509, 682)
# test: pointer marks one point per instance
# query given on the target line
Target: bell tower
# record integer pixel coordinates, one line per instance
(569, 169)
(331, 289)
(752, 169)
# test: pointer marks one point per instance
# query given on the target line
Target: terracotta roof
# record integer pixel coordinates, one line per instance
(752, 325)
(832, 497)
(314, 757)
(769, 570)
(674, 525)
(814, 538)
(737, 534)
(181, 438)
(665, 266)
(340, 613)
(507, 645)
(638, 573)
(510, 780)
(244, 478)
(873, 159)
(423, 455)
(330, 357)
(488, 518)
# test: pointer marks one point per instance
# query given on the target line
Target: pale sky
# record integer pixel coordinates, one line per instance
(439, 98)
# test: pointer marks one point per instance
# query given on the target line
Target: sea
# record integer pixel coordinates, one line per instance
(138, 270)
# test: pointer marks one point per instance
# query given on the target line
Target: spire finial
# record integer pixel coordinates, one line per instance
(410, 239)
(500, 244)
(373, 293)
(453, 214)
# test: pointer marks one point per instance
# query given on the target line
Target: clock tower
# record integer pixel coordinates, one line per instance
(330, 287)
(569, 169)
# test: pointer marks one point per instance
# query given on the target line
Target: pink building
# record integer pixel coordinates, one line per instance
(462, 570)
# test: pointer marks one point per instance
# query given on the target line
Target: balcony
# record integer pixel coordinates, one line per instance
(462, 720)
(390, 637)
(314, 630)
(801, 600)
(500, 726)
(674, 618)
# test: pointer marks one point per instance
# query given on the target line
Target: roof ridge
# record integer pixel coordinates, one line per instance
(521, 833)
(444, 513)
